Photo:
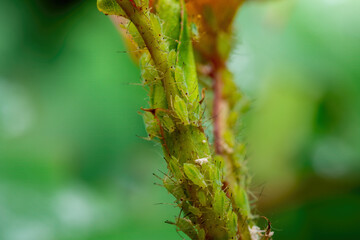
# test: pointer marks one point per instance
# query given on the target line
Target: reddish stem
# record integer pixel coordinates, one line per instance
(216, 75)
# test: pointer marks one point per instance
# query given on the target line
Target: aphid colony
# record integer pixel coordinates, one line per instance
(195, 177)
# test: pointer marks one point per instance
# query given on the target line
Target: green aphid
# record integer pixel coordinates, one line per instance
(201, 234)
(201, 195)
(156, 23)
(151, 79)
(180, 81)
(241, 201)
(194, 112)
(220, 203)
(175, 169)
(213, 175)
(219, 162)
(187, 227)
(232, 224)
(181, 110)
(195, 211)
(194, 174)
(141, 3)
(110, 7)
(166, 122)
(169, 12)
(174, 188)
(172, 58)
(194, 32)
(135, 35)
(157, 96)
(151, 125)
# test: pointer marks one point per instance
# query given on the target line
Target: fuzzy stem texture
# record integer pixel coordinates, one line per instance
(208, 187)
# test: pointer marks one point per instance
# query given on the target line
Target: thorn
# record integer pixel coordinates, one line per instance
(202, 95)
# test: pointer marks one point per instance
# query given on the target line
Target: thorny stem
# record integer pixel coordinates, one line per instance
(152, 41)
(213, 215)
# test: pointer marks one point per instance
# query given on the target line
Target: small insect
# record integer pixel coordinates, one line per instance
(173, 188)
(110, 7)
(201, 234)
(180, 82)
(219, 162)
(232, 223)
(136, 37)
(172, 58)
(151, 125)
(213, 175)
(241, 200)
(202, 198)
(195, 211)
(175, 168)
(195, 32)
(194, 174)
(187, 227)
(181, 110)
(166, 122)
(156, 27)
(220, 203)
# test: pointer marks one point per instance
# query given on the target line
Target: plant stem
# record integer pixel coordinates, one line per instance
(153, 40)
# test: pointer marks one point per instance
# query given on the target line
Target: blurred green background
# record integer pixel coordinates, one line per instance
(72, 164)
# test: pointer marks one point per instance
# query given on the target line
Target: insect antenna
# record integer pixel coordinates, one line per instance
(157, 177)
